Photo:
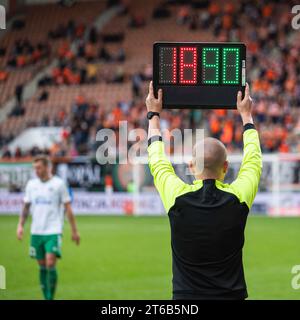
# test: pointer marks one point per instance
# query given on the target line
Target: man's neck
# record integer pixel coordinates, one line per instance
(46, 178)
(208, 177)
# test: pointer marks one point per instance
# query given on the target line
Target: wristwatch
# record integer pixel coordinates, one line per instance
(151, 114)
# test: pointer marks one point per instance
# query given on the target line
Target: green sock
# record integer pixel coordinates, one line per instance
(52, 280)
(43, 280)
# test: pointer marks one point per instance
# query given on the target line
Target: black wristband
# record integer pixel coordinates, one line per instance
(248, 126)
(151, 114)
(153, 139)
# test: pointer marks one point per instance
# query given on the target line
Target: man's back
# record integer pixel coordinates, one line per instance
(207, 236)
(207, 222)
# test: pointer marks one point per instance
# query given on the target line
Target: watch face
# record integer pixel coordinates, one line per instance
(149, 115)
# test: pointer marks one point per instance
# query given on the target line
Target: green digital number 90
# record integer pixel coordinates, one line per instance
(211, 65)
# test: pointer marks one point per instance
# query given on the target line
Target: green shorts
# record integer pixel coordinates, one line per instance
(42, 244)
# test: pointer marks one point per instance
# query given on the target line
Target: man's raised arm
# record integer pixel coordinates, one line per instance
(246, 184)
(166, 181)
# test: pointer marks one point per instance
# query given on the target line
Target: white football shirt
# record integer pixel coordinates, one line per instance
(47, 201)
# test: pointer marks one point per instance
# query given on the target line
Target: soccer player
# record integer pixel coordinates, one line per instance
(207, 218)
(47, 198)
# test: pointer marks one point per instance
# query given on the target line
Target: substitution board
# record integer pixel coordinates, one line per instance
(199, 74)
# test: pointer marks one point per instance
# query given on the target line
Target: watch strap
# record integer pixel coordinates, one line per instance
(151, 114)
(153, 139)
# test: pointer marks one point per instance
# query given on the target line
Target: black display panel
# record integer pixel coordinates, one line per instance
(199, 75)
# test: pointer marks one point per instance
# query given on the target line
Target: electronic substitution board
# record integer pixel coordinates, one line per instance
(199, 74)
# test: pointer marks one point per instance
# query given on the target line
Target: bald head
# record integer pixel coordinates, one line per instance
(210, 158)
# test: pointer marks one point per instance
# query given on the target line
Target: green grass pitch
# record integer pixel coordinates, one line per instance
(130, 258)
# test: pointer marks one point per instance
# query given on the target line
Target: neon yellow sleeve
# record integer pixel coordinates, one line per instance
(246, 184)
(167, 183)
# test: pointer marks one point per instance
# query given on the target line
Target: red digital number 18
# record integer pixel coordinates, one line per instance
(185, 65)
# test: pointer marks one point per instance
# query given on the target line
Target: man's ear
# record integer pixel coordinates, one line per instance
(191, 167)
(225, 167)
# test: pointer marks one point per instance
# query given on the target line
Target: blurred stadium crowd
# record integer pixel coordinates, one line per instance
(100, 77)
